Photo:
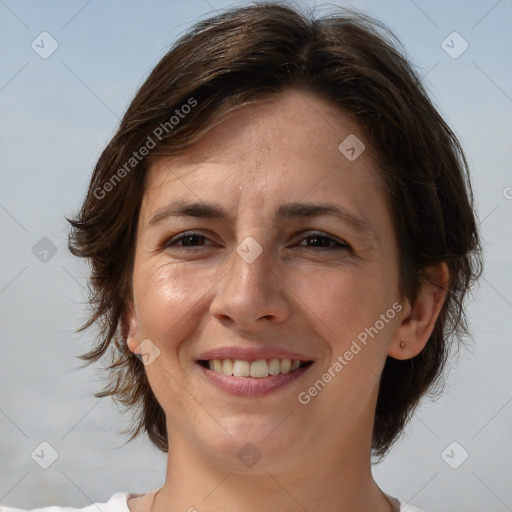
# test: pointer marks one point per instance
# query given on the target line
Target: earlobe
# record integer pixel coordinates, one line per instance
(129, 331)
(132, 342)
(420, 317)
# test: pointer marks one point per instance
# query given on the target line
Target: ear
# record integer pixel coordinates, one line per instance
(130, 329)
(420, 318)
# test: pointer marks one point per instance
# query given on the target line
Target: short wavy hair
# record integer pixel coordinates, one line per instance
(252, 54)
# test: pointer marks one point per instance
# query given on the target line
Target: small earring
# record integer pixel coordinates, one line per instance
(402, 345)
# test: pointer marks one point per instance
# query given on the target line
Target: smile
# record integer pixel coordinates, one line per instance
(258, 369)
(254, 378)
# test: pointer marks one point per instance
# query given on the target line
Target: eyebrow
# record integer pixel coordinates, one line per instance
(181, 208)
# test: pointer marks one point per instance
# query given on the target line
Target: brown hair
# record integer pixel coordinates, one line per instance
(252, 54)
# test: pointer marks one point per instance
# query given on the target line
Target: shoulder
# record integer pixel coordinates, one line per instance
(117, 503)
(401, 506)
(405, 507)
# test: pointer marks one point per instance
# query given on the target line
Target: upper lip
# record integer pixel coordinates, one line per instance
(251, 354)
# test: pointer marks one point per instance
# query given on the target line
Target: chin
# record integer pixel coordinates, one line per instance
(253, 445)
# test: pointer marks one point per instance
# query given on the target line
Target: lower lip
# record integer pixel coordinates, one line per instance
(249, 386)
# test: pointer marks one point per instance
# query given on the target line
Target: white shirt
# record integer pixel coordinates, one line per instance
(119, 503)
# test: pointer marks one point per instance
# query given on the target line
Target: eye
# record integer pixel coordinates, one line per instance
(188, 239)
(323, 241)
(313, 241)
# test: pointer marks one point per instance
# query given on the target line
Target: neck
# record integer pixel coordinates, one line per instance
(332, 477)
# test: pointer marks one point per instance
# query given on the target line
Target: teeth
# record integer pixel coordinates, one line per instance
(241, 368)
(274, 367)
(286, 365)
(227, 367)
(257, 369)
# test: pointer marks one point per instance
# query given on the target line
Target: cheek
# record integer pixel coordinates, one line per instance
(346, 311)
(343, 303)
(168, 299)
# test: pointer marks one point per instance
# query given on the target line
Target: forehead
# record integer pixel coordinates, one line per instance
(312, 124)
(285, 149)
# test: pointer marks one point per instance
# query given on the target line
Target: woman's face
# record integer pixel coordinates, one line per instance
(263, 245)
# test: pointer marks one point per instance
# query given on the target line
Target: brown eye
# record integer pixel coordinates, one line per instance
(190, 239)
(321, 241)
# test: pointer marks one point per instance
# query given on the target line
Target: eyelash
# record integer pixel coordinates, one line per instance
(341, 245)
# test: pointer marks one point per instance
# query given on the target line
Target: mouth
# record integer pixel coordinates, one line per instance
(259, 369)
(253, 378)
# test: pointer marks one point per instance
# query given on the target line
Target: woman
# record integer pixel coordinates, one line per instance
(282, 232)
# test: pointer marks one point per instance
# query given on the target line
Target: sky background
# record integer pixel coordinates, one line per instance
(57, 114)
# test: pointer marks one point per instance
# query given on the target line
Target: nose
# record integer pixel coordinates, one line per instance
(252, 294)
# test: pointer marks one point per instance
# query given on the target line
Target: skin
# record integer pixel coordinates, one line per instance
(296, 295)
